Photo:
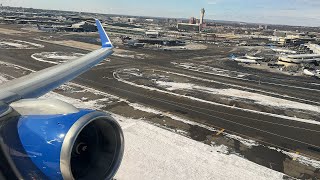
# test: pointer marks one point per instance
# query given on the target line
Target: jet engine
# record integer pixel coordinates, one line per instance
(50, 139)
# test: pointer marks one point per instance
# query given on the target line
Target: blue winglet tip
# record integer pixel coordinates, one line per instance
(105, 41)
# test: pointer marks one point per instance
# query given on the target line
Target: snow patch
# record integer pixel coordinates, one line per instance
(115, 75)
(123, 55)
(55, 57)
(210, 70)
(240, 87)
(3, 78)
(154, 153)
(230, 74)
(18, 44)
(302, 159)
(241, 95)
(247, 142)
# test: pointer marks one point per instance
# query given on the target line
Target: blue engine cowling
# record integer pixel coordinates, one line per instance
(82, 144)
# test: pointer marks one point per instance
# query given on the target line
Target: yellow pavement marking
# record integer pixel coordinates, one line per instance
(295, 157)
(221, 131)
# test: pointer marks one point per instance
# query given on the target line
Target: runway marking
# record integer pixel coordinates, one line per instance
(219, 132)
(262, 82)
(238, 86)
(296, 155)
(116, 76)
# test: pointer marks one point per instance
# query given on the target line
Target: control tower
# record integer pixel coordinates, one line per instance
(202, 16)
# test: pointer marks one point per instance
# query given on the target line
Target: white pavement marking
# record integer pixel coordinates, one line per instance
(283, 85)
(218, 104)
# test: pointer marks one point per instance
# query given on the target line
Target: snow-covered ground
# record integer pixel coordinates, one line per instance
(59, 57)
(130, 56)
(239, 94)
(18, 44)
(155, 153)
(55, 57)
(210, 70)
(231, 94)
(239, 87)
(232, 74)
(152, 152)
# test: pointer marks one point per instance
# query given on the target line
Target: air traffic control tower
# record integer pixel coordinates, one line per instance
(202, 16)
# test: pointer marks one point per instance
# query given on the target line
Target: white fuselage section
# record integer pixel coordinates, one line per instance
(308, 73)
(300, 58)
(280, 50)
(244, 60)
(253, 57)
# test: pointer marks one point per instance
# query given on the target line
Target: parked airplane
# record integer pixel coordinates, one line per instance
(253, 57)
(48, 29)
(281, 50)
(300, 58)
(243, 60)
(308, 72)
(134, 43)
(314, 73)
(50, 139)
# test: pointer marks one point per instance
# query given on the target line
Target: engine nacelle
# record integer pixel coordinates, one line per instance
(62, 142)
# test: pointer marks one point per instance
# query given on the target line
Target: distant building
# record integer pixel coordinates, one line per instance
(192, 20)
(292, 40)
(153, 34)
(188, 27)
(267, 32)
(315, 48)
(117, 19)
(149, 20)
(81, 27)
(132, 20)
(125, 30)
(280, 40)
(280, 33)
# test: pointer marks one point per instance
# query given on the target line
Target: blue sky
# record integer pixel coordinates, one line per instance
(292, 12)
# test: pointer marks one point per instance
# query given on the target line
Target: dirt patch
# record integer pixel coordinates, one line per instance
(10, 31)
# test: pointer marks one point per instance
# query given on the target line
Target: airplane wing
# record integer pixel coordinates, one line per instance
(39, 83)
(48, 139)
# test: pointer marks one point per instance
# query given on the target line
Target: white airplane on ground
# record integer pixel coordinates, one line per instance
(50, 139)
(253, 57)
(300, 58)
(308, 72)
(281, 50)
(244, 60)
(47, 29)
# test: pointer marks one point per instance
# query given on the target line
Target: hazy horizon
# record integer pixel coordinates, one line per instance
(286, 12)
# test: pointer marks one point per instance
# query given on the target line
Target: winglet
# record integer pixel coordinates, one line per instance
(105, 41)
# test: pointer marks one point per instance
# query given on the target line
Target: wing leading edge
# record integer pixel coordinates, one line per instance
(39, 83)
